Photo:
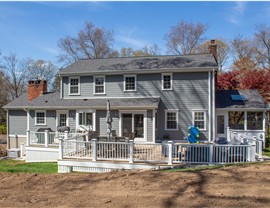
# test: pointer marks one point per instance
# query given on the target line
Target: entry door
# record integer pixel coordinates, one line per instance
(221, 119)
(134, 122)
(62, 118)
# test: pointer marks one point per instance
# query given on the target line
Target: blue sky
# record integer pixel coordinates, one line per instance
(32, 29)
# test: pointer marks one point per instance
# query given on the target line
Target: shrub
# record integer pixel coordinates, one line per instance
(3, 129)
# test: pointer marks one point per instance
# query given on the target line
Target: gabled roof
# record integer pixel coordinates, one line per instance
(53, 101)
(251, 99)
(140, 64)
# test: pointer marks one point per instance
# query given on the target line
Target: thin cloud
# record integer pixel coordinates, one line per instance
(52, 51)
(237, 12)
(128, 36)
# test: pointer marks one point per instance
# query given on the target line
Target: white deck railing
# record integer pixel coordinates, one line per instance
(162, 153)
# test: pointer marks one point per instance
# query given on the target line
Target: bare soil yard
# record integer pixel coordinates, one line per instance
(235, 186)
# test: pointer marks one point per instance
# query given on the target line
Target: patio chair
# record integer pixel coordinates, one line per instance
(118, 138)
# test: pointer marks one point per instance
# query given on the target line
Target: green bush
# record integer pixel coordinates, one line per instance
(3, 129)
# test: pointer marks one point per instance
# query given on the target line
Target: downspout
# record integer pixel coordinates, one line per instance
(209, 106)
(154, 125)
(213, 106)
(7, 121)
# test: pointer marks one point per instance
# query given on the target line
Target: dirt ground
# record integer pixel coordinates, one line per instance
(238, 186)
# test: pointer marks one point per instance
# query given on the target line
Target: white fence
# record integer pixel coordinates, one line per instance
(160, 153)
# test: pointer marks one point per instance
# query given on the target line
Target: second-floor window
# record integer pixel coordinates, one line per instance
(130, 83)
(99, 85)
(166, 81)
(74, 86)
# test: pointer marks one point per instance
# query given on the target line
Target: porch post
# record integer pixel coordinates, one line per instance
(131, 145)
(94, 149)
(211, 146)
(27, 138)
(253, 151)
(259, 142)
(60, 148)
(248, 154)
(170, 147)
(46, 138)
(66, 135)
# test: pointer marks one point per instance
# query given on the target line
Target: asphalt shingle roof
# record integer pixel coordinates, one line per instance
(253, 99)
(140, 63)
(52, 100)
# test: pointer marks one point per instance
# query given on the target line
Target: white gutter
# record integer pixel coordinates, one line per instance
(209, 107)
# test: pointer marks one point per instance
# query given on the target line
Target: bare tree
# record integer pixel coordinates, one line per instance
(150, 50)
(42, 70)
(223, 51)
(185, 37)
(15, 74)
(3, 97)
(91, 42)
(262, 41)
(243, 49)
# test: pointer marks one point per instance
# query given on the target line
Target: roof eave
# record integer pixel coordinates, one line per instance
(147, 71)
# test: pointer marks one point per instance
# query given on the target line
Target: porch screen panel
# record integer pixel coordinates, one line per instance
(254, 120)
(86, 119)
(138, 125)
(236, 120)
(126, 124)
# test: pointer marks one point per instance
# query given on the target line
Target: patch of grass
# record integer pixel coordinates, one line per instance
(206, 167)
(266, 152)
(16, 166)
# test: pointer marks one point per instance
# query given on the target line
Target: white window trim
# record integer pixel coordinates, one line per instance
(79, 86)
(171, 111)
(45, 120)
(193, 118)
(125, 76)
(94, 85)
(58, 112)
(93, 118)
(162, 81)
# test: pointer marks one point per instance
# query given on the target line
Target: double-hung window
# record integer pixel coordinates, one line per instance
(74, 86)
(171, 117)
(99, 85)
(130, 83)
(199, 119)
(167, 81)
(40, 118)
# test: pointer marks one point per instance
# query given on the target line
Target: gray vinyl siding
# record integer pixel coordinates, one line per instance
(190, 92)
(72, 119)
(50, 120)
(17, 122)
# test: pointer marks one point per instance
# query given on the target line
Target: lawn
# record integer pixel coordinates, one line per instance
(15, 166)
(266, 151)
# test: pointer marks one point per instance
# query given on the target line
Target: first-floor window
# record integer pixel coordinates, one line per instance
(40, 118)
(171, 120)
(63, 119)
(86, 119)
(199, 119)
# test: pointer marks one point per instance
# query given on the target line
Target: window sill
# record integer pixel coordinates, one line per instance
(40, 124)
(167, 89)
(74, 94)
(99, 94)
(171, 129)
(130, 90)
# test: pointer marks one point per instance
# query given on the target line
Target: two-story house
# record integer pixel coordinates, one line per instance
(156, 97)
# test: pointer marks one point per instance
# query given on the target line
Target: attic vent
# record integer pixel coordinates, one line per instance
(238, 97)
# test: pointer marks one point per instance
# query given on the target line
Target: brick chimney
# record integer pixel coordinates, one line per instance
(36, 88)
(212, 48)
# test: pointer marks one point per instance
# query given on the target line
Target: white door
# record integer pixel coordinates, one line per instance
(221, 124)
